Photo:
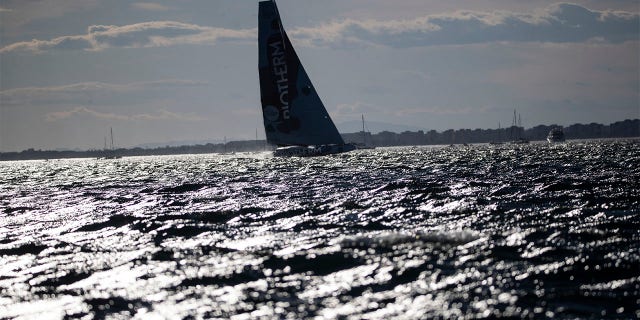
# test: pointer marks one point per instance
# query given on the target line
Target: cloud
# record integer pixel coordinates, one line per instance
(80, 93)
(348, 110)
(149, 6)
(160, 115)
(4, 10)
(559, 23)
(439, 110)
(139, 35)
(356, 108)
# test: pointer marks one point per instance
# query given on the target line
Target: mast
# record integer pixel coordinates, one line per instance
(111, 138)
(364, 142)
(513, 125)
(257, 144)
(519, 120)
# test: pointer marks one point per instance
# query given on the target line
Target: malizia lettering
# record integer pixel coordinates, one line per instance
(278, 62)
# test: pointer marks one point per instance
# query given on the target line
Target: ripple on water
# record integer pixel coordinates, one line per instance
(418, 232)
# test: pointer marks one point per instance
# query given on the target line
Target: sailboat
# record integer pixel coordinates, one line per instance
(294, 117)
(364, 138)
(111, 153)
(515, 126)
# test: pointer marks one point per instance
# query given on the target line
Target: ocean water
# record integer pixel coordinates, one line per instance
(529, 231)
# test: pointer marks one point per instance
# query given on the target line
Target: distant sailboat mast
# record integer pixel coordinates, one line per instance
(110, 153)
(514, 123)
(364, 141)
(519, 121)
(111, 138)
(517, 131)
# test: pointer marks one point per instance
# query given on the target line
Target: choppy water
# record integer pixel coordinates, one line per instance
(534, 231)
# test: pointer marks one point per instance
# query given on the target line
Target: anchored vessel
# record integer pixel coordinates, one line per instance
(294, 117)
(364, 144)
(111, 152)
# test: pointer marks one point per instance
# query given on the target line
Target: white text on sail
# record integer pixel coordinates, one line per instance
(280, 70)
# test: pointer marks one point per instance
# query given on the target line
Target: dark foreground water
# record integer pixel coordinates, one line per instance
(534, 231)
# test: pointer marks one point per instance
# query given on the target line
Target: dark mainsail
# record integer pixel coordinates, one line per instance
(293, 113)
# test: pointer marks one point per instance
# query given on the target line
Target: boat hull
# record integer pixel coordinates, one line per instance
(313, 151)
(555, 140)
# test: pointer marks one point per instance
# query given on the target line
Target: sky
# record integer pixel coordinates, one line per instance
(186, 70)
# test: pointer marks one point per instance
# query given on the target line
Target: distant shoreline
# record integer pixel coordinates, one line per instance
(621, 129)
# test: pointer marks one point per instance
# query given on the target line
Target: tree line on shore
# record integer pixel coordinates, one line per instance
(621, 129)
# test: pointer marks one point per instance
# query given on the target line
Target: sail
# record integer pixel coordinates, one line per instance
(292, 111)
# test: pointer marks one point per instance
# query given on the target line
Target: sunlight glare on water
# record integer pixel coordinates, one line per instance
(532, 231)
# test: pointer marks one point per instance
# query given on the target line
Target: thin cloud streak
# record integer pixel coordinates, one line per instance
(150, 6)
(160, 115)
(559, 23)
(346, 110)
(139, 35)
(80, 92)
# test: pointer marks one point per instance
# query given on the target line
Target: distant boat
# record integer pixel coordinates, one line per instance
(499, 140)
(224, 146)
(364, 138)
(555, 135)
(514, 125)
(294, 117)
(519, 141)
(110, 153)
